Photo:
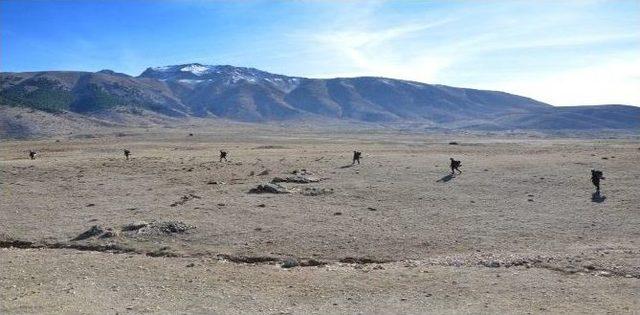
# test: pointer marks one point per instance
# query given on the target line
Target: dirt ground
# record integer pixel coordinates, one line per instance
(519, 231)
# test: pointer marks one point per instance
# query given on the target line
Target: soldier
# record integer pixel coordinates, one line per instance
(32, 154)
(596, 176)
(455, 166)
(223, 155)
(356, 157)
(127, 153)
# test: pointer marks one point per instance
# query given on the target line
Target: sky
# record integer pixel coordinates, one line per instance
(559, 52)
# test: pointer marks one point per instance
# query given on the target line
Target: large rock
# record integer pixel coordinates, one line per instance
(298, 179)
(269, 188)
(91, 232)
(165, 228)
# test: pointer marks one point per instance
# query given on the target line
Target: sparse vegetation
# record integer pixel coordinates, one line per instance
(40, 93)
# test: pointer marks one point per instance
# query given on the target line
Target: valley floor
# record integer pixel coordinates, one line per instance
(519, 231)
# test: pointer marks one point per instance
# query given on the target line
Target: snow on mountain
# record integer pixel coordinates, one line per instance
(249, 94)
(196, 73)
(196, 69)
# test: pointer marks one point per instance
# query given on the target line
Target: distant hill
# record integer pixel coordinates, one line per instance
(247, 94)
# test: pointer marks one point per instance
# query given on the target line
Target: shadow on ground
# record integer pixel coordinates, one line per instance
(597, 197)
(446, 178)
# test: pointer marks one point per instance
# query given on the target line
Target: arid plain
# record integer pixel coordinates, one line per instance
(176, 230)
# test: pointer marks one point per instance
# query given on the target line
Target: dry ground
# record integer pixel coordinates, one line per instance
(517, 231)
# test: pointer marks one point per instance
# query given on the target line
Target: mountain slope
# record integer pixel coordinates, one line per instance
(248, 94)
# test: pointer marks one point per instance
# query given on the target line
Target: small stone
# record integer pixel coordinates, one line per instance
(491, 264)
(289, 263)
(337, 213)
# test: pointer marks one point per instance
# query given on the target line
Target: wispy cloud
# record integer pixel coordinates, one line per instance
(380, 50)
(586, 47)
(532, 54)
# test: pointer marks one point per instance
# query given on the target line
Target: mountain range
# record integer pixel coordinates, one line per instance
(247, 94)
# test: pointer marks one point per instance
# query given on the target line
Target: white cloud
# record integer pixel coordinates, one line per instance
(547, 53)
(382, 52)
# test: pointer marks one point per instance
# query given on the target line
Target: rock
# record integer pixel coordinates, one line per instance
(337, 213)
(91, 232)
(269, 188)
(491, 264)
(263, 173)
(184, 199)
(298, 178)
(314, 191)
(262, 205)
(371, 209)
(134, 226)
(90, 205)
(109, 233)
(289, 263)
(453, 143)
(165, 228)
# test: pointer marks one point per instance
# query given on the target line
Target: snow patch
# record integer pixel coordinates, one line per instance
(188, 81)
(195, 69)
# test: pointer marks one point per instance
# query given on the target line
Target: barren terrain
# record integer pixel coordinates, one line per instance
(176, 231)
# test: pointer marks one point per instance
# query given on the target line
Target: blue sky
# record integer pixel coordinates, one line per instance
(561, 52)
